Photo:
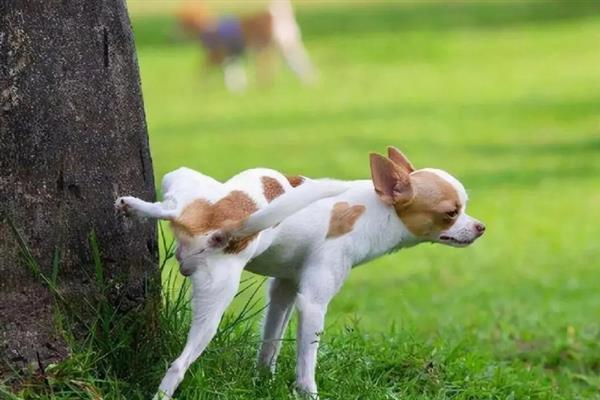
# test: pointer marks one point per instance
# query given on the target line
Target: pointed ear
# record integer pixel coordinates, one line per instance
(391, 182)
(396, 156)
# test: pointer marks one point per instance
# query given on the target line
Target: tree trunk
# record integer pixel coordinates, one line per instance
(72, 137)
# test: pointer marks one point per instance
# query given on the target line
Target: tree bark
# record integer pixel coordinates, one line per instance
(72, 138)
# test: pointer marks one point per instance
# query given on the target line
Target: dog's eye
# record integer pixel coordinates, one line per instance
(452, 214)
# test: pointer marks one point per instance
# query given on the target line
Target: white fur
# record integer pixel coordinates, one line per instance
(288, 39)
(306, 268)
(284, 206)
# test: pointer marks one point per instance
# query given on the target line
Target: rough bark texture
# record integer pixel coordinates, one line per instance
(72, 137)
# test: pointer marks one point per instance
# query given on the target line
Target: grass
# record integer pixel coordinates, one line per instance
(501, 94)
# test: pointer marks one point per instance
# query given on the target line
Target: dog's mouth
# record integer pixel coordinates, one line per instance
(186, 271)
(454, 241)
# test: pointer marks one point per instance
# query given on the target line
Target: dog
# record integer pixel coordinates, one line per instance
(227, 39)
(307, 240)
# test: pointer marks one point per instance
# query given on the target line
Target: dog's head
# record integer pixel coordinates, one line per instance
(429, 202)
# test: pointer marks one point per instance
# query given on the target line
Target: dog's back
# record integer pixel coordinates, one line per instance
(185, 185)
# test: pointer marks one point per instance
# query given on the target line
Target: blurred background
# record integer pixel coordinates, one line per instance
(502, 94)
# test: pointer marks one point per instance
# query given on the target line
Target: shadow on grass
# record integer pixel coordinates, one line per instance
(152, 31)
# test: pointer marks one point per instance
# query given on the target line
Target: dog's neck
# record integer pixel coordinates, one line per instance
(381, 231)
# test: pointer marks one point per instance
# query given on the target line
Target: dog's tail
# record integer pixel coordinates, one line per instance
(289, 203)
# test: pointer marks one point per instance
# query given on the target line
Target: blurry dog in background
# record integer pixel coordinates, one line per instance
(227, 39)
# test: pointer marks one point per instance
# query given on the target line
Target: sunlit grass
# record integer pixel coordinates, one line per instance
(504, 95)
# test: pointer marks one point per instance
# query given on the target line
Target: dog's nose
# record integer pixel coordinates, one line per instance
(480, 228)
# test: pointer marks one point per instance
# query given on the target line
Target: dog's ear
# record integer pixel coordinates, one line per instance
(392, 183)
(397, 157)
(220, 239)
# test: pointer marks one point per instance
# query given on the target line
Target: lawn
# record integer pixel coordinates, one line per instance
(505, 96)
(502, 95)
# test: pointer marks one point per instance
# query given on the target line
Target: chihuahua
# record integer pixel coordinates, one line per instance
(305, 234)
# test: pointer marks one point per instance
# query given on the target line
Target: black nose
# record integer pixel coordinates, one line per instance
(480, 228)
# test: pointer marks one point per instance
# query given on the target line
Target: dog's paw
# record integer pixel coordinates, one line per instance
(124, 205)
(161, 396)
(265, 372)
(299, 394)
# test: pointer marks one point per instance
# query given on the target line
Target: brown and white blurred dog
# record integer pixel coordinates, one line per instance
(227, 39)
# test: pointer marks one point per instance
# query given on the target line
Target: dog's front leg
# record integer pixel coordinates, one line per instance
(317, 288)
(311, 319)
(213, 287)
(282, 294)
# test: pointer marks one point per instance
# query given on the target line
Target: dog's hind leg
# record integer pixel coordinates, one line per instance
(213, 287)
(282, 294)
(138, 207)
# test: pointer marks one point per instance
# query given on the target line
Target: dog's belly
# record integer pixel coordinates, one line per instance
(276, 262)
(288, 246)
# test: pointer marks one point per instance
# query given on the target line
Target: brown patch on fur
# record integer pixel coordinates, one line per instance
(426, 215)
(194, 17)
(343, 218)
(235, 246)
(196, 218)
(295, 180)
(271, 188)
(200, 217)
(257, 30)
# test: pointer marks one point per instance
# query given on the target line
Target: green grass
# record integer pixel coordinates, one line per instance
(504, 95)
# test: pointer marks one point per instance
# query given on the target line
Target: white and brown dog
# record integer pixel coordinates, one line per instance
(305, 234)
(227, 39)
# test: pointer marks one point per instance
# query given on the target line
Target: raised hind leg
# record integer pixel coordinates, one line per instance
(133, 206)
